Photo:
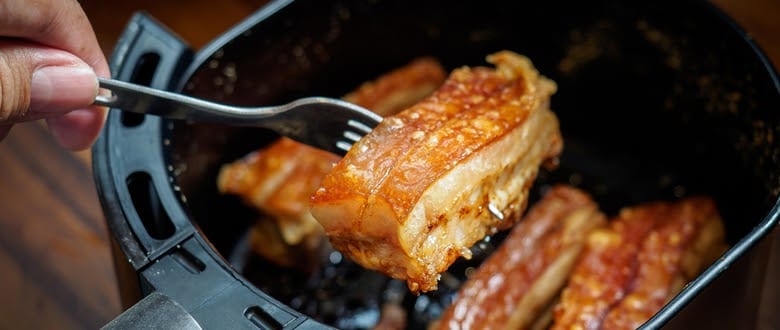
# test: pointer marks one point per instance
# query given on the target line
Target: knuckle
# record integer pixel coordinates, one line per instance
(14, 89)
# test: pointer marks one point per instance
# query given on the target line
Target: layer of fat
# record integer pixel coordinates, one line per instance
(500, 174)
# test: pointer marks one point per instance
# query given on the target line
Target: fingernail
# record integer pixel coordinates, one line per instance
(62, 88)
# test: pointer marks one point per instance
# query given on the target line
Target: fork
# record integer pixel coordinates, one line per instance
(325, 123)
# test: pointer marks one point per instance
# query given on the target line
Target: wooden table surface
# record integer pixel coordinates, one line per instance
(55, 265)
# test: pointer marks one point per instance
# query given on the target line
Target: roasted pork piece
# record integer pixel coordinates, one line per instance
(630, 269)
(426, 184)
(279, 179)
(400, 88)
(514, 286)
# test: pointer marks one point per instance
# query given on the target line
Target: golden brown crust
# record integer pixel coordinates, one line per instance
(414, 148)
(411, 197)
(659, 275)
(523, 277)
(602, 275)
(631, 269)
(279, 179)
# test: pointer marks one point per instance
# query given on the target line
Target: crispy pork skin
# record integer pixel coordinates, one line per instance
(629, 270)
(521, 279)
(689, 237)
(414, 194)
(279, 179)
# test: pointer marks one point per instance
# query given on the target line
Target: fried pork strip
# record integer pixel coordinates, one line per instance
(280, 178)
(413, 195)
(629, 270)
(524, 276)
(690, 239)
(400, 88)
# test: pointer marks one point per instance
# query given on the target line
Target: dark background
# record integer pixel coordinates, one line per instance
(55, 264)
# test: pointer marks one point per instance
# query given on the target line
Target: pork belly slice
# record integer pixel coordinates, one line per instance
(690, 238)
(631, 269)
(279, 179)
(520, 280)
(400, 88)
(413, 195)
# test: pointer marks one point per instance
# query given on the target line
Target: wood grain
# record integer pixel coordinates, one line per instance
(56, 270)
(55, 261)
(55, 266)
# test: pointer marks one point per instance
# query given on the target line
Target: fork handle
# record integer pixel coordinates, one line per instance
(145, 100)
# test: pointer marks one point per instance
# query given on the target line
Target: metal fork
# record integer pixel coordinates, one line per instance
(325, 123)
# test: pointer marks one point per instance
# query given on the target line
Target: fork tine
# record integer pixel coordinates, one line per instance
(360, 130)
(352, 136)
(344, 146)
(360, 126)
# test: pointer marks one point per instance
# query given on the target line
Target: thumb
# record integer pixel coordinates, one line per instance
(40, 82)
(61, 87)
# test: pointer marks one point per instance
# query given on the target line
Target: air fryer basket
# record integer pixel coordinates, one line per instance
(656, 101)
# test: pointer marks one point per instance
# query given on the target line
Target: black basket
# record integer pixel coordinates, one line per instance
(656, 101)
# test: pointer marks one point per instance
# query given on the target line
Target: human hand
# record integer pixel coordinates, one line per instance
(49, 63)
